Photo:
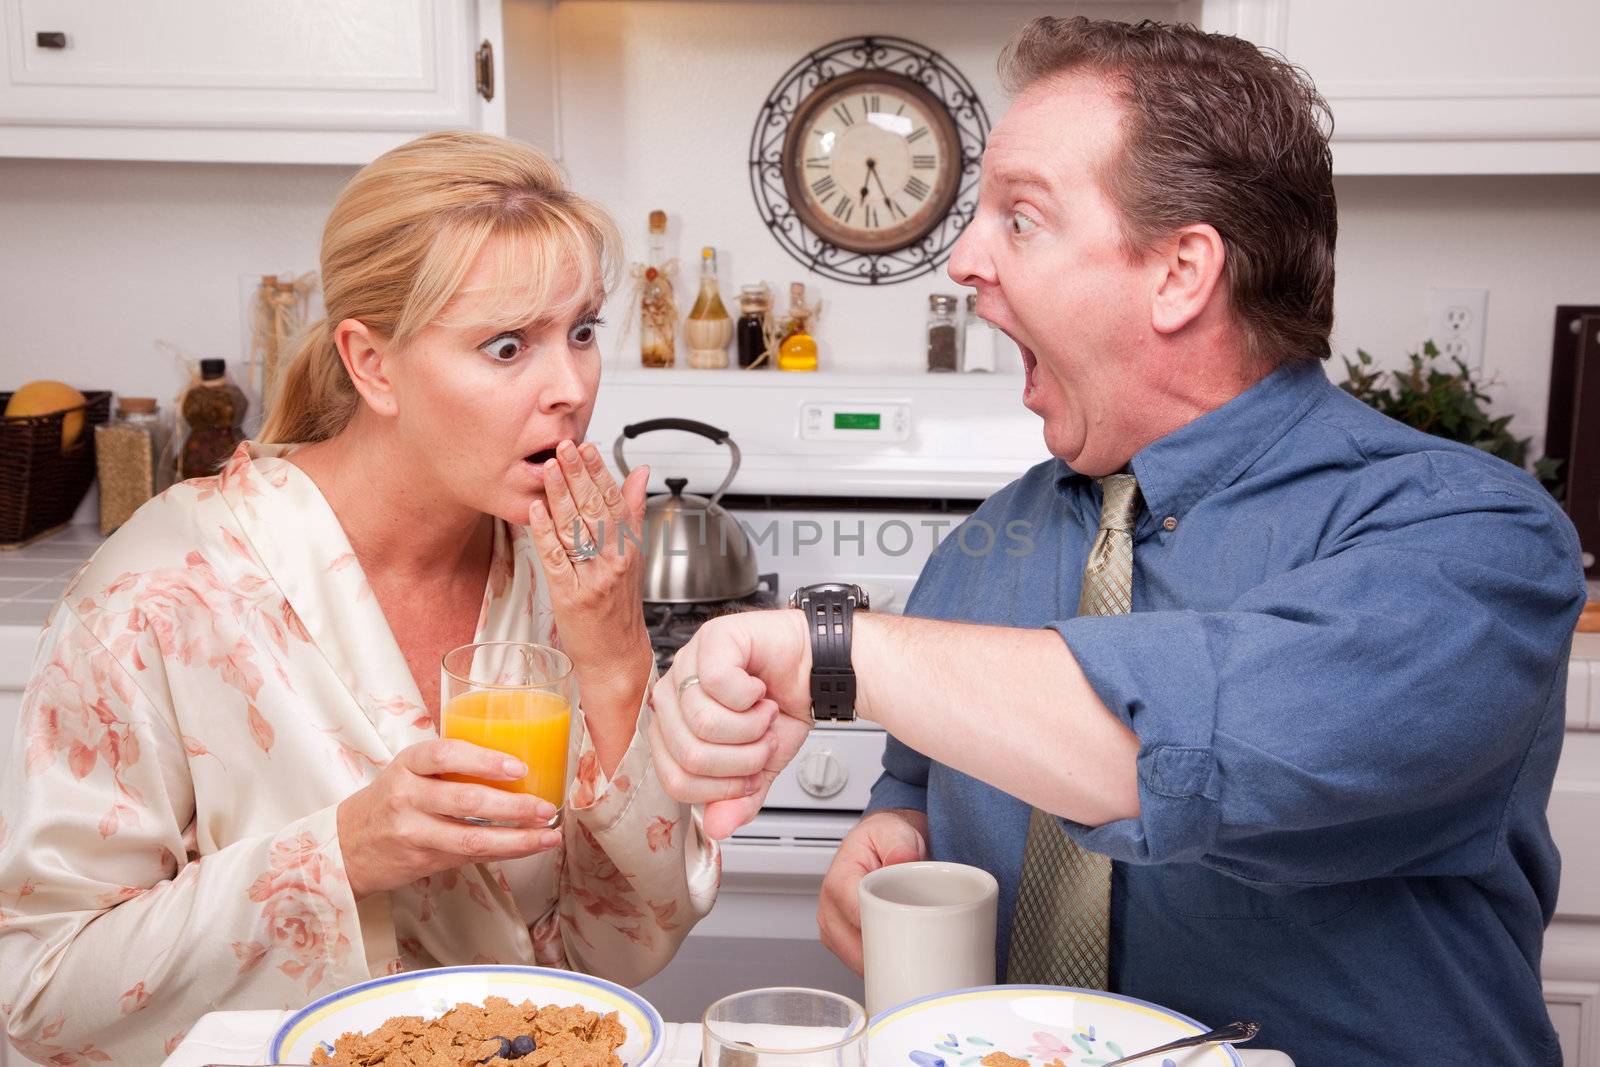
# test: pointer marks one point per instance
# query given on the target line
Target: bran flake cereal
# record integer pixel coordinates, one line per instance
(470, 1034)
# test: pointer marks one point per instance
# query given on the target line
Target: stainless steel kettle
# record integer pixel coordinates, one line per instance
(695, 552)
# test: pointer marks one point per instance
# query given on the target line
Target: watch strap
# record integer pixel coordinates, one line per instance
(829, 617)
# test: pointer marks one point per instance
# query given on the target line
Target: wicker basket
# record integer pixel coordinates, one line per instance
(40, 485)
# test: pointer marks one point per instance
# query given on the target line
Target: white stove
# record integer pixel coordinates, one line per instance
(844, 477)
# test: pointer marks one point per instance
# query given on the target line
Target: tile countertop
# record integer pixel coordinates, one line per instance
(34, 577)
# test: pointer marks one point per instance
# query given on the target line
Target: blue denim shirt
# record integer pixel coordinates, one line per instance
(1346, 666)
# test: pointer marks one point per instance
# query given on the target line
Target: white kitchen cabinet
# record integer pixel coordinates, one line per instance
(274, 81)
(1442, 86)
(1571, 966)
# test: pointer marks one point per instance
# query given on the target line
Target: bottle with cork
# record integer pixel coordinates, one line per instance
(214, 410)
(658, 309)
(798, 352)
(709, 327)
(755, 329)
(129, 457)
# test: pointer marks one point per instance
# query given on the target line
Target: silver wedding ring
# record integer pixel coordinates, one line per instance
(582, 552)
(693, 679)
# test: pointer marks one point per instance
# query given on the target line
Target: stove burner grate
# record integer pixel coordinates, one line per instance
(671, 625)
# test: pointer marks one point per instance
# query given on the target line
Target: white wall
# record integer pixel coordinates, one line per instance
(99, 261)
(1532, 242)
(657, 102)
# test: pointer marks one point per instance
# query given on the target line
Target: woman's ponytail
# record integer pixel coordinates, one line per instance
(316, 399)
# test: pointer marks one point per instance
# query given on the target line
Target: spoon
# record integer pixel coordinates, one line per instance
(1233, 1032)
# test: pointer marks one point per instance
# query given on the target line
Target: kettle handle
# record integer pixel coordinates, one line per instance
(709, 432)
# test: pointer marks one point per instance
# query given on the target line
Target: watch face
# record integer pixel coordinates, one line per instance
(846, 588)
(872, 161)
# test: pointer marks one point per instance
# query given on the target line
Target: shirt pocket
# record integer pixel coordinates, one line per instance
(1202, 893)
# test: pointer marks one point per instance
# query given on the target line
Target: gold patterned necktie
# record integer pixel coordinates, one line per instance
(1060, 932)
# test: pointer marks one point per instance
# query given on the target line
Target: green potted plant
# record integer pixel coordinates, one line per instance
(1447, 401)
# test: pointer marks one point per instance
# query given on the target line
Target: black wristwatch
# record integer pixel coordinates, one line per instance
(829, 609)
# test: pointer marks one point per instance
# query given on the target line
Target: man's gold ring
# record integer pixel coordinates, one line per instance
(693, 679)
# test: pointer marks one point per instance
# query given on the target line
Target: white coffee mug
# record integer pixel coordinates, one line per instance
(926, 928)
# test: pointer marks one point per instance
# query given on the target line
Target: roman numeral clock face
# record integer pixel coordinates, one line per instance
(872, 162)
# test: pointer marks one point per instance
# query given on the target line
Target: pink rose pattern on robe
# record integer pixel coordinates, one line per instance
(214, 683)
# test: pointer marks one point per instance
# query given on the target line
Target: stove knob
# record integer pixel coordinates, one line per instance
(822, 775)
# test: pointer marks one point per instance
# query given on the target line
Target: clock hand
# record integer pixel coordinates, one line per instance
(871, 164)
(872, 169)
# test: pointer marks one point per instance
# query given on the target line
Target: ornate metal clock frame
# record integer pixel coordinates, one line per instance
(893, 55)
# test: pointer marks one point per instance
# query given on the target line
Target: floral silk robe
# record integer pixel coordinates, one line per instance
(214, 683)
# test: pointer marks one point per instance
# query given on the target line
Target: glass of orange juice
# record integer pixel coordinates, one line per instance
(516, 698)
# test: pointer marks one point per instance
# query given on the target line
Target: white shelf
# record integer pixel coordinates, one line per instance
(814, 381)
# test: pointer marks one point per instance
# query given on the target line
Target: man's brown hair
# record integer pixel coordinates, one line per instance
(1215, 131)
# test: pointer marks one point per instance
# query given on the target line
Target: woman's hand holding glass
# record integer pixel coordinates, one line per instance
(409, 823)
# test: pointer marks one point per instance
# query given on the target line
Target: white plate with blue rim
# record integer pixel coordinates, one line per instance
(366, 1006)
(1036, 1024)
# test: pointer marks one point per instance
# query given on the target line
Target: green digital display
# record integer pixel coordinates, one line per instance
(856, 420)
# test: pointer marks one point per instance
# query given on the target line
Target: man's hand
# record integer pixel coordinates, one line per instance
(881, 839)
(721, 740)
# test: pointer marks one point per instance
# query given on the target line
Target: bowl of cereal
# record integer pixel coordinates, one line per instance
(496, 1015)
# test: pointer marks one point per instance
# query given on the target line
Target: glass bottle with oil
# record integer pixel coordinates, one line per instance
(709, 327)
(798, 351)
(658, 310)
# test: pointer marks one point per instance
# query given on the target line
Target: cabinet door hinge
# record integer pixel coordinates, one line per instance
(485, 67)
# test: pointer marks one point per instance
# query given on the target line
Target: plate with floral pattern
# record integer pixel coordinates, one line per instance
(367, 1005)
(1040, 1025)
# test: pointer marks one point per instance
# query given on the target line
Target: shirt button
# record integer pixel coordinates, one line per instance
(1169, 523)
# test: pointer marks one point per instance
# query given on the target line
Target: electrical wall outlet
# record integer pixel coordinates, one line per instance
(1456, 321)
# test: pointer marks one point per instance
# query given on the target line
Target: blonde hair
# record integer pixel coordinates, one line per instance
(402, 237)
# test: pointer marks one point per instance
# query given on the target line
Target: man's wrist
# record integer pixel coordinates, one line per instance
(868, 637)
(915, 816)
(803, 630)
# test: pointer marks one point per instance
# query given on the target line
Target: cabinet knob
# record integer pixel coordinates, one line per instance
(50, 39)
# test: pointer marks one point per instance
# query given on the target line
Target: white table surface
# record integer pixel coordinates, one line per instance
(241, 1037)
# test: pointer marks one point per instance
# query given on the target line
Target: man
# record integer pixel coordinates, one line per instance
(1296, 669)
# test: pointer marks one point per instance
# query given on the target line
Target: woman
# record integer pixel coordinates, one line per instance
(226, 794)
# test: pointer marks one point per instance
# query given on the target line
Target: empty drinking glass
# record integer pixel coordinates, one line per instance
(785, 1027)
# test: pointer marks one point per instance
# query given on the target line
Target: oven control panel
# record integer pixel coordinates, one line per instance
(871, 421)
(833, 771)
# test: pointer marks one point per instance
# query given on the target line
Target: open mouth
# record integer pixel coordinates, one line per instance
(1029, 363)
(539, 458)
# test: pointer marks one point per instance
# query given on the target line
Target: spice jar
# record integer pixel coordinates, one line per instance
(944, 350)
(755, 318)
(978, 339)
(128, 460)
(214, 408)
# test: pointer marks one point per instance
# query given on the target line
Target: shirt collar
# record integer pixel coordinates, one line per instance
(1211, 452)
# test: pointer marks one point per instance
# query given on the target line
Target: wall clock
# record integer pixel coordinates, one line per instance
(864, 160)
